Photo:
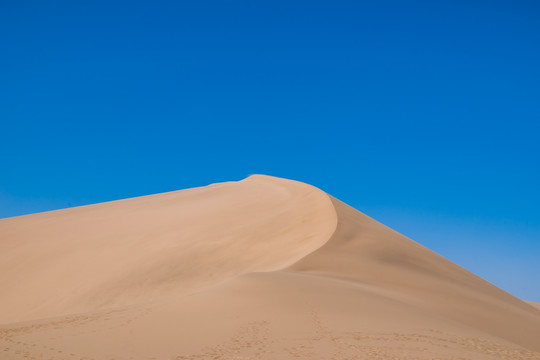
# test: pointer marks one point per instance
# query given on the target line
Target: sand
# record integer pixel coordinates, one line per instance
(263, 268)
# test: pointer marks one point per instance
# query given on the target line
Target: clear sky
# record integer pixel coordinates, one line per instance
(423, 114)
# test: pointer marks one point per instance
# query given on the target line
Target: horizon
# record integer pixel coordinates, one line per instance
(421, 115)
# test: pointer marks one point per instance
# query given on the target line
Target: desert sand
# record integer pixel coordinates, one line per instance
(263, 268)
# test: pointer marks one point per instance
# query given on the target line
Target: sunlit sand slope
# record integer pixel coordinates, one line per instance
(143, 249)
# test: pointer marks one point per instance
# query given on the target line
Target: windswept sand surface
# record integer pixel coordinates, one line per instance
(263, 268)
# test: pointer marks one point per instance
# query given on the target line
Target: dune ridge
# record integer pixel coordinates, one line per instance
(264, 268)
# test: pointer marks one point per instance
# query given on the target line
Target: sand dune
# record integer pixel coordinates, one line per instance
(263, 268)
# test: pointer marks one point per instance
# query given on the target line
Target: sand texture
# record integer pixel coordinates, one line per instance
(263, 268)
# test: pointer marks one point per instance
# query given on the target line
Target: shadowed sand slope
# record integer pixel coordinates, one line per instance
(370, 254)
(264, 268)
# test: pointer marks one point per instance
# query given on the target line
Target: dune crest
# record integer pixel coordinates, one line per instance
(263, 268)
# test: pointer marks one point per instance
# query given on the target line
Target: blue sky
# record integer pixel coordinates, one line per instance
(423, 114)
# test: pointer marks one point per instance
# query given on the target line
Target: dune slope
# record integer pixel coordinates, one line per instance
(264, 268)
